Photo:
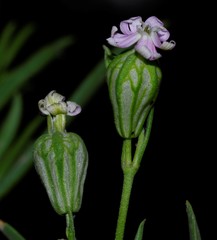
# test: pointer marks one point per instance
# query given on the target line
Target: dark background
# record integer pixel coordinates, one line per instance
(179, 163)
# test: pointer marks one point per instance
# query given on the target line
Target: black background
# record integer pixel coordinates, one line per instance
(179, 163)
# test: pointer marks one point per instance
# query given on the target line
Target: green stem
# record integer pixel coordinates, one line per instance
(124, 204)
(130, 168)
(126, 158)
(70, 229)
(129, 173)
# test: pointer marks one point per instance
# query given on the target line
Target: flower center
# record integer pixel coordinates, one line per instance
(147, 29)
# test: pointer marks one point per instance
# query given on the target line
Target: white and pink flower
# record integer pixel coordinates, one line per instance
(144, 36)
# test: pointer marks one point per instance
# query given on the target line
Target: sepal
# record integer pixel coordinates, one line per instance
(61, 160)
(133, 84)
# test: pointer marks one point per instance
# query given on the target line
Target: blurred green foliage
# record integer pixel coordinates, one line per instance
(14, 161)
(16, 150)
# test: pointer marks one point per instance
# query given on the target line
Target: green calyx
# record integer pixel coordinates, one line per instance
(61, 160)
(133, 84)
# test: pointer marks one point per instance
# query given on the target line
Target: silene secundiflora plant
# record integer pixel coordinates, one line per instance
(134, 75)
(61, 158)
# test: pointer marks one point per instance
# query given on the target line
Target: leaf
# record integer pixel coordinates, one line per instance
(139, 233)
(13, 44)
(5, 38)
(10, 124)
(10, 232)
(90, 84)
(18, 146)
(14, 79)
(16, 171)
(194, 232)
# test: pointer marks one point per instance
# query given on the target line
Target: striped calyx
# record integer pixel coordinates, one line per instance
(61, 160)
(133, 84)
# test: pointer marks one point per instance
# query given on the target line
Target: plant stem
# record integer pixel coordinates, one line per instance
(130, 167)
(124, 204)
(129, 173)
(70, 229)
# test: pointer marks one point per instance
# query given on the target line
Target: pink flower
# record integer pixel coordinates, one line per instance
(144, 36)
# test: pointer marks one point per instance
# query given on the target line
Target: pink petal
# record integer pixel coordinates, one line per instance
(123, 41)
(156, 40)
(72, 108)
(153, 22)
(114, 30)
(147, 49)
(163, 34)
(131, 25)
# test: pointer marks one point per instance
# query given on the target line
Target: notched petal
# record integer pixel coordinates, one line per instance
(72, 108)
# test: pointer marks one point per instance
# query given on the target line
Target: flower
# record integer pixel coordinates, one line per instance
(61, 157)
(54, 104)
(145, 36)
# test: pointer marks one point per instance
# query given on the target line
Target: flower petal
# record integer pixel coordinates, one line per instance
(53, 97)
(153, 22)
(168, 45)
(42, 107)
(155, 38)
(114, 30)
(147, 49)
(131, 25)
(73, 108)
(163, 34)
(123, 41)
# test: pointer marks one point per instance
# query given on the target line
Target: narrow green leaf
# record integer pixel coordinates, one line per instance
(139, 233)
(10, 232)
(14, 79)
(90, 84)
(10, 124)
(194, 232)
(20, 145)
(5, 38)
(16, 171)
(15, 45)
